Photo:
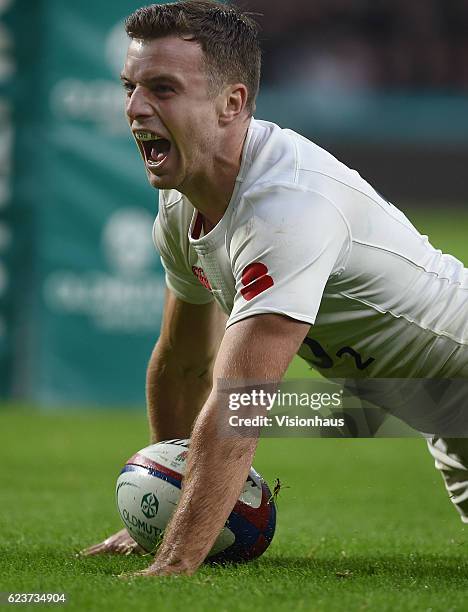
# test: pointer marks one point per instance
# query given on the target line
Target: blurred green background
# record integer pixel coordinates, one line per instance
(382, 85)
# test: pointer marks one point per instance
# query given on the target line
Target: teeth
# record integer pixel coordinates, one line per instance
(145, 136)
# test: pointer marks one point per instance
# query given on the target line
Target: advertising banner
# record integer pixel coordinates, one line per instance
(99, 286)
(7, 72)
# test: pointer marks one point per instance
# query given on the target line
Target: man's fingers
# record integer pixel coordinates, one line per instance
(117, 548)
(127, 548)
(124, 548)
(96, 549)
(147, 572)
(102, 547)
(153, 570)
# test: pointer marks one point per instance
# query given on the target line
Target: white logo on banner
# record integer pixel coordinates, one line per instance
(127, 241)
(116, 47)
(126, 298)
(98, 101)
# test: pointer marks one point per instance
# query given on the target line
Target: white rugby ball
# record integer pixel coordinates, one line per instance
(148, 490)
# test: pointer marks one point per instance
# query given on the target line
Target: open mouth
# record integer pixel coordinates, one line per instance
(155, 148)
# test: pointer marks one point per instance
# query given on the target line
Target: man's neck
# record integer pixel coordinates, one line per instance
(211, 193)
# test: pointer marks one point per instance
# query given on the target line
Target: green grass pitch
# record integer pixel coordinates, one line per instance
(363, 524)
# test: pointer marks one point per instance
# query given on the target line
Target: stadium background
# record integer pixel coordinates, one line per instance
(383, 85)
(363, 524)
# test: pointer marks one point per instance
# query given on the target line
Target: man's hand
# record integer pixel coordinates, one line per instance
(161, 569)
(121, 543)
(259, 348)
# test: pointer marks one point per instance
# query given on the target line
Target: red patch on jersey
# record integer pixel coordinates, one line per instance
(197, 226)
(201, 277)
(255, 279)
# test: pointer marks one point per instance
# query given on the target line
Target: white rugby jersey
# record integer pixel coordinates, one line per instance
(306, 237)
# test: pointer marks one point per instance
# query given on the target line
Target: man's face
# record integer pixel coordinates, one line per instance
(169, 109)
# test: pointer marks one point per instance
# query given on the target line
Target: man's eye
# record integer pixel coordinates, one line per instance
(129, 88)
(163, 89)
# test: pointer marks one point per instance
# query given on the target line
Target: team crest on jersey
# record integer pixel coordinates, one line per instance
(200, 274)
(255, 279)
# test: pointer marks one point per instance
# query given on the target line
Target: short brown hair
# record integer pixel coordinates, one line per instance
(227, 36)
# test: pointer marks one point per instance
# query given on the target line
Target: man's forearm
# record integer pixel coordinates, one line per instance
(219, 460)
(174, 395)
(217, 469)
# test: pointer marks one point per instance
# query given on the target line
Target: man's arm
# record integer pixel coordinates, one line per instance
(180, 371)
(178, 381)
(258, 348)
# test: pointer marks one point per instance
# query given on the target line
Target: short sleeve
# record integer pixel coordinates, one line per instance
(173, 249)
(284, 252)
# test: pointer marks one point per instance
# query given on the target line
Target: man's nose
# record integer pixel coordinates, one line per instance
(138, 104)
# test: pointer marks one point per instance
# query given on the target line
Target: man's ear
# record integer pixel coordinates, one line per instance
(233, 101)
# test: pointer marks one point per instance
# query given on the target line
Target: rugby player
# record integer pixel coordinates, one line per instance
(271, 248)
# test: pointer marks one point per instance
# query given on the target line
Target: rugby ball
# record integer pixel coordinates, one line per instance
(148, 490)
